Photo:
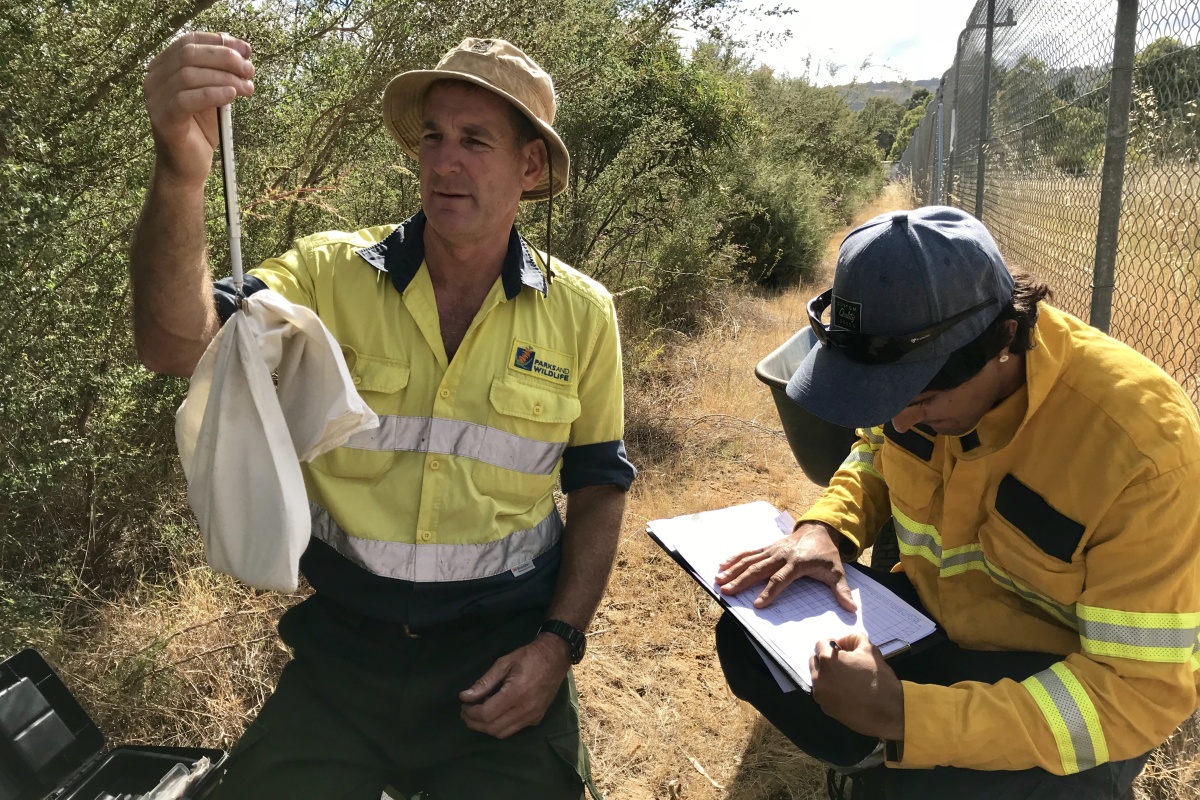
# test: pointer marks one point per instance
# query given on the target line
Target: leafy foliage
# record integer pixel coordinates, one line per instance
(913, 114)
(880, 119)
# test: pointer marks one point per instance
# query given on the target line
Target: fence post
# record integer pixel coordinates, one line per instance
(937, 164)
(1112, 178)
(986, 107)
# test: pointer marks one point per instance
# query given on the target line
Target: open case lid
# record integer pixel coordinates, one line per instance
(45, 735)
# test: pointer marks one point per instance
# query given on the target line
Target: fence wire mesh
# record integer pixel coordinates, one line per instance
(1023, 144)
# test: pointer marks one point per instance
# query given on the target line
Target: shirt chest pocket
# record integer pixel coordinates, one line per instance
(1033, 544)
(382, 383)
(912, 483)
(529, 427)
(516, 402)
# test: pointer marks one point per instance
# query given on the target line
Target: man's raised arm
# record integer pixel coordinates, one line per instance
(173, 314)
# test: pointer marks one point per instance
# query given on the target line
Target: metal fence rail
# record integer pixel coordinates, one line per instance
(1072, 129)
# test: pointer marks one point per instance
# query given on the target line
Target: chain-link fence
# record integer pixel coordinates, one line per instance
(1072, 129)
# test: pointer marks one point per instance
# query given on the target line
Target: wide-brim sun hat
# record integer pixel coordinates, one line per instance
(499, 67)
(901, 273)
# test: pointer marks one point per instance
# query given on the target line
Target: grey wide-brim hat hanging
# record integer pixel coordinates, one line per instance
(495, 65)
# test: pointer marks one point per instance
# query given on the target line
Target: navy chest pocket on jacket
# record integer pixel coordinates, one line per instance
(1053, 532)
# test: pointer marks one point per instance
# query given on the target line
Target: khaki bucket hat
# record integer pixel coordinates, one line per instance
(495, 65)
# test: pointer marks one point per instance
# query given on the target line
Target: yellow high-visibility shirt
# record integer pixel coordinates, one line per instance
(456, 485)
(1064, 523)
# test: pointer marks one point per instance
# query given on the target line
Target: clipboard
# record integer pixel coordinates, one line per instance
(786, 632)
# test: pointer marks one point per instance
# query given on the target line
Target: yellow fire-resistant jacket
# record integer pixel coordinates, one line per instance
(1067, 522)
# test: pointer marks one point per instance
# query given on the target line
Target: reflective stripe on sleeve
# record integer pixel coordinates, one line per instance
(917, 538)
(861, 459)
(873, 435)
(1143, 636)
(424, 563)
(1071, 716)
(465, 439)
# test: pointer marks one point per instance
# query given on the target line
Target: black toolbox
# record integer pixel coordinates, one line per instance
(51, 750)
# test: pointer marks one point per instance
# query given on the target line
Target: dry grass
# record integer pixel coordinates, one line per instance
(190, 663)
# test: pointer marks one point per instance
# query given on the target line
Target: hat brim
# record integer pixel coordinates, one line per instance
(855, 395)
(402, 107)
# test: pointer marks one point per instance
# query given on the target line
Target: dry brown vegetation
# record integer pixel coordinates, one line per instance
(191, 663)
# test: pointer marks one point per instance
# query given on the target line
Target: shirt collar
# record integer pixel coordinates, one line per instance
(401, 253)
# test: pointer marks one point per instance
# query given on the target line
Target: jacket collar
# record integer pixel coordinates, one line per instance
(402, 252)
(1045, 364)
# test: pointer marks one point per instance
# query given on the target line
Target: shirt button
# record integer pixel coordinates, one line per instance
(435, 464)
(357, 380)
(426, 536)
(444, 393)
(537, 409)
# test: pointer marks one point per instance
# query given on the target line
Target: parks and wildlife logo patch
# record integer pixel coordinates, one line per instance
(541, 362)
(524, 359)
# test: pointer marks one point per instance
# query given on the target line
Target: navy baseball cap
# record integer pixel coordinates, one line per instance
(910, 288)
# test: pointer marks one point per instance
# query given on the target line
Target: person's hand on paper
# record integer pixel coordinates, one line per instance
(809, 551)
(854, 685)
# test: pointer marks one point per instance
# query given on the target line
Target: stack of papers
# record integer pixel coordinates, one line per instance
(787, 631)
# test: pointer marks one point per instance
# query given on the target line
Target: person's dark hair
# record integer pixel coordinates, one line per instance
(524, 131)
(966, 362)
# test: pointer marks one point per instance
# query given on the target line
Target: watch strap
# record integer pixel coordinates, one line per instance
(574, 637)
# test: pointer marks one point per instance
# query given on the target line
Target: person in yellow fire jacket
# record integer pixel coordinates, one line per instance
(1038, 473)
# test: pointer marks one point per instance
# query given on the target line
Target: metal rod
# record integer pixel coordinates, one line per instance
(1112, 176)
(981, 161)
(233, 223)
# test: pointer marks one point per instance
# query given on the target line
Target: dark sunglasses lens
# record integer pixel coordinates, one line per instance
(865, 349)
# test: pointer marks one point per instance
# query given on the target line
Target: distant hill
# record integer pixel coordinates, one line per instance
(858, 94)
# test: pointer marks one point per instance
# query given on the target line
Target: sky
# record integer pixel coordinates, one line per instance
(903, 40)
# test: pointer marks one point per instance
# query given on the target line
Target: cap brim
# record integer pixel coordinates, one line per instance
(856, 395)
(402, 101)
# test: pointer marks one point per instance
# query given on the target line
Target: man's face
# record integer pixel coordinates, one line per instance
(472, 170)
(954, 412)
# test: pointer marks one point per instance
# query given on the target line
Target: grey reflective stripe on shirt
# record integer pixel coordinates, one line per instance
(1139, 638)
(915, 537)
(465, 439)
(923, 540)
(427, 563)
(1072, 717)
(971, 557)
(859, 457)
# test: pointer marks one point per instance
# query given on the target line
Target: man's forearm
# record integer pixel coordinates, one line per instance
(173, 314)
(590, 540)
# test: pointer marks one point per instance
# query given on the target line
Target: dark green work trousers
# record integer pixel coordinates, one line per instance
(362, 706)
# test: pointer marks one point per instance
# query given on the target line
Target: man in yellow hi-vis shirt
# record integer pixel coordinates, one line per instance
(1040, 477)
(450, 596)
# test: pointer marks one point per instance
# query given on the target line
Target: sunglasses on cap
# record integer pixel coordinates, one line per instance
(873, 348)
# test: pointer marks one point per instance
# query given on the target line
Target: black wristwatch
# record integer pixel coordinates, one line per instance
(568, 633)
